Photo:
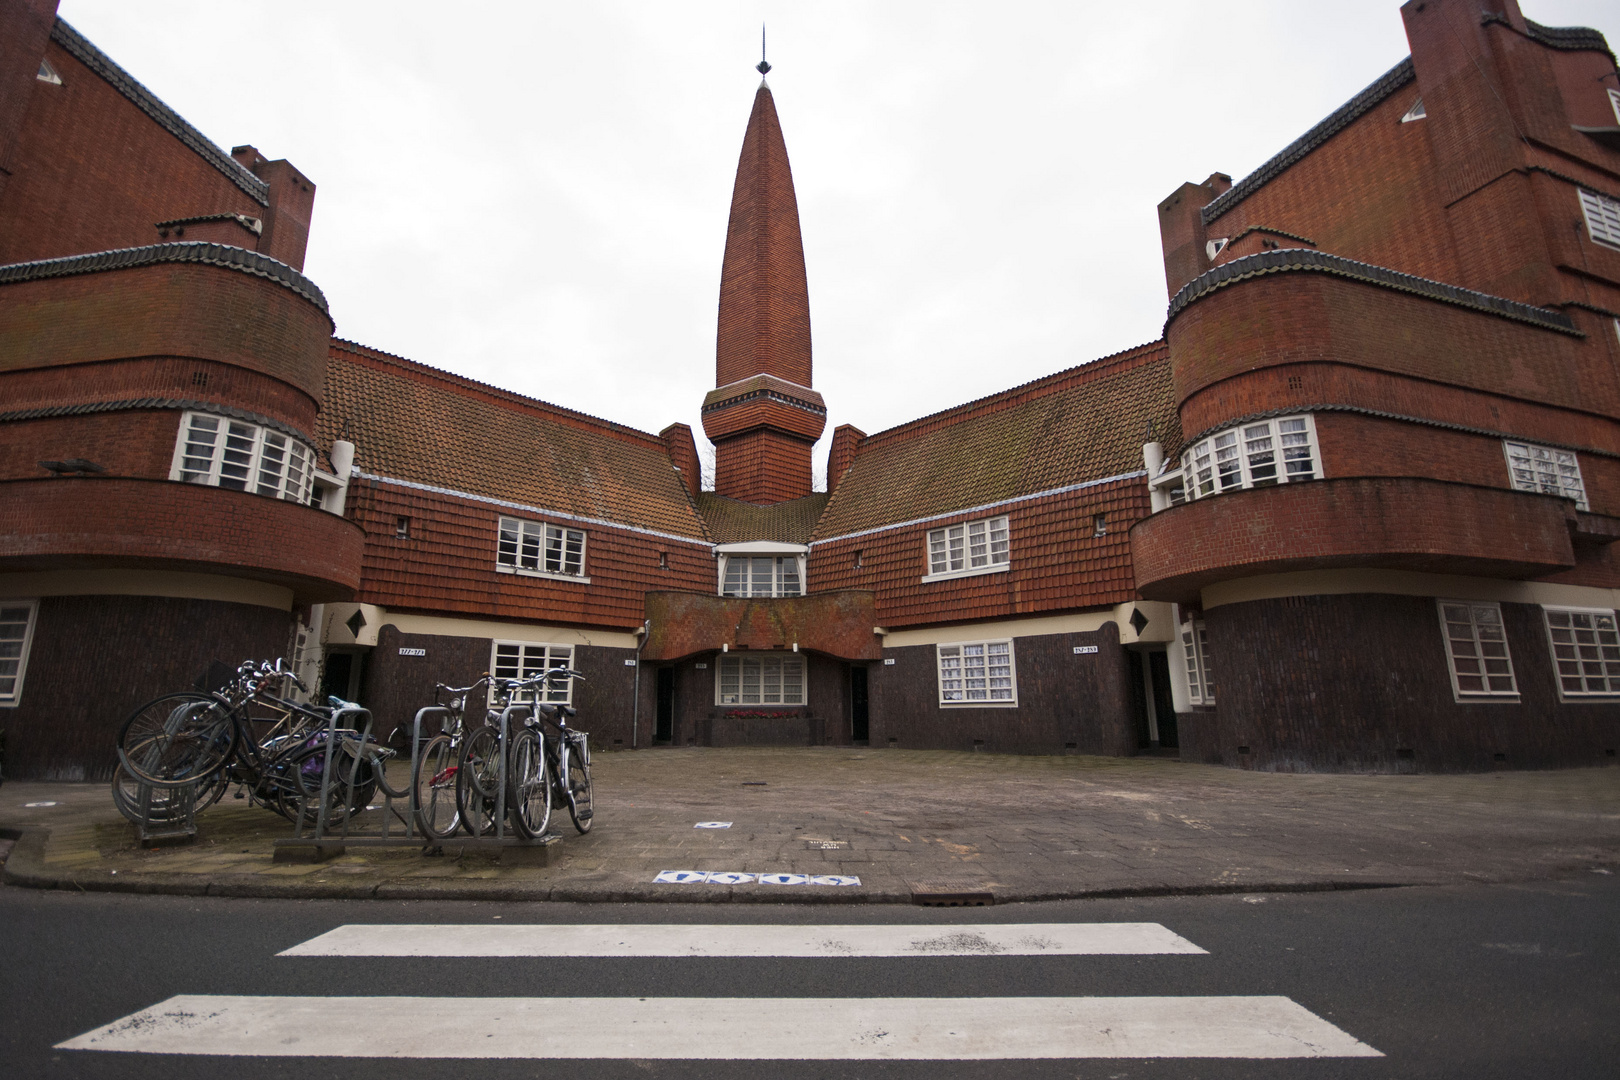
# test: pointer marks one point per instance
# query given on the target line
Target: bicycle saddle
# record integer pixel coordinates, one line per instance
(547, 711)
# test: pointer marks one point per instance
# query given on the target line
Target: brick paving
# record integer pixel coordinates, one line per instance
(1017, 827)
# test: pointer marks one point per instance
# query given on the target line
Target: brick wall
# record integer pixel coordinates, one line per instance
(1346, 683)
(447, 564)
(1058, 563)
(167, 310)
(762, 466)
(95, 659)
(92, 172)
(94, 522)
(1067, 702)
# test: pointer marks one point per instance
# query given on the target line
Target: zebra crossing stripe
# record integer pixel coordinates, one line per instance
(915, 1029)
(521, 939)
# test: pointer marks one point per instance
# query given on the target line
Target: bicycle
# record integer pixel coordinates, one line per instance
(531, 763)
(438, 813)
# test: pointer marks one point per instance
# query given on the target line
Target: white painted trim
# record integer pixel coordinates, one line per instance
(739, 658)
(1049, 493)
(1084, 622)
(1475, 697)
(27, 644)
(526, 508)
(578, 579)
(761, 547)
(451, 626)
(1576, 697)
(986, 703)
(998, 568)
(165, 583)
(1405, 583)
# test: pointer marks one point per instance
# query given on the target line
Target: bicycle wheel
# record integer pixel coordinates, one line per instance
(435, 783)
(165, 807)
(299, 786)
(580, 803)
(528, 792)
(477, 779)
(177, 739)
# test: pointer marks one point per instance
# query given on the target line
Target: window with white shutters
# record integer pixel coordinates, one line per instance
(1195, 653)
(540, 550)
(1545, 469)
(524, 660)
(1602, 218)
(1476, 646)
(222, 452)
(977, 673)
(16, 633)
(972, 547)
(759, 680)
(1586, 650)
(1266, 452)
(761, 575)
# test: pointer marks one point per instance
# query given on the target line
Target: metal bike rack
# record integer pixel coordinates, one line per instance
(320, 842)
(174, 829)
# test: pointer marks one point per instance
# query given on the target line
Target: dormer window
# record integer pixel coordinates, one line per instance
(761, 569)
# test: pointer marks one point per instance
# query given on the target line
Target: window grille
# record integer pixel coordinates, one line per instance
(221, 452)
(1476, 644)
(972, 547)
(1195, 652)
(1586, 650)
(521, 660)
(759, 680)
(531, 547)
(1267, 452)
(977, 672)
(1602, 218)
(1546, 470)
(761, 575)
(16, 633)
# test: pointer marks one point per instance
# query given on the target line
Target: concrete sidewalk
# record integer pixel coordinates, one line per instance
(909, 824)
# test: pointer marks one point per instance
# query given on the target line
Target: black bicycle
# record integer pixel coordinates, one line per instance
(538, 766)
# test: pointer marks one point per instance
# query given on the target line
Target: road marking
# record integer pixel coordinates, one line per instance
(731, 877)
(937, 1029)
(528, 939)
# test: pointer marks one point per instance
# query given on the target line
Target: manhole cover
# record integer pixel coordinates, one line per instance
(951, 894)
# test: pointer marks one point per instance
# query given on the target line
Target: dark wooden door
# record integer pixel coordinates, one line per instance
(664, 725)
(857, 704)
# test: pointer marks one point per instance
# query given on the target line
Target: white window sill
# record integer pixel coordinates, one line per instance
(1564, 698)
(994, 568)
(978, 704)
(1486, 699)
(578, 579)
(761, 596)
(765, 705)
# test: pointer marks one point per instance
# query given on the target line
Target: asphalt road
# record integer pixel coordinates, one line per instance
(1478, 981)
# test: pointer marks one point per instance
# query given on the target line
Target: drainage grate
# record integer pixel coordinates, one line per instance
(951, 894)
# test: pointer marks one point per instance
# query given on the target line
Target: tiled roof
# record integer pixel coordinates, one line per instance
(1287, 259)
(731, 521)
(179, 251)
(1070, 428)
(149, 103)
(1341, 118)
(1568, 38)
(414, 423)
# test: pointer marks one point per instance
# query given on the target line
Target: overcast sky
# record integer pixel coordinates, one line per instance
(535, 194)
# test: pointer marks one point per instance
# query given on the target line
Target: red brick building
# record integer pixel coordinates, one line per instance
(1413, 308)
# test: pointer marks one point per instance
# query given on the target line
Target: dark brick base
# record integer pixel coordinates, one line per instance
(95, 659)
(1067, 702)
(1361, 683)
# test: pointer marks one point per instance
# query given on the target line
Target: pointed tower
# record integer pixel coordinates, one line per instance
(762, 415)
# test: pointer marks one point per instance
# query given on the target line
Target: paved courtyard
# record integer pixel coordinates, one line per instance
(904, 822)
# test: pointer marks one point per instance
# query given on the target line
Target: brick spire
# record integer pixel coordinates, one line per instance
(763, 417)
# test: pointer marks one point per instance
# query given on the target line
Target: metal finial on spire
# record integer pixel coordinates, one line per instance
(763, 67)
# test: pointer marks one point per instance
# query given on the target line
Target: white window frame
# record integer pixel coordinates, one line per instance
(525, 659)
(1482, 647)
(13, 697)
(1544, 470)
(239, 455)
(968, 548)
(731, 680)
(784, 571)
(1235, 459)
(1576, 660)
(542, 543)
(1417, 112)
(956, 675)
(1195, 653)
(1602, 218)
